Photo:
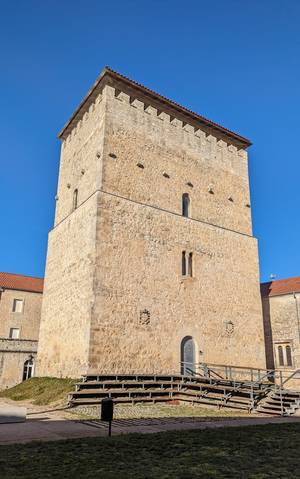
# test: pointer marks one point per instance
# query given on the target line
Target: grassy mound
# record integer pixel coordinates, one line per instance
(40, 391)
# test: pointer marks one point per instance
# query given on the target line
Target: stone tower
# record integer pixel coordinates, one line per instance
(151, 259)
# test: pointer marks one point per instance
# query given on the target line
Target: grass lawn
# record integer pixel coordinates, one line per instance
(254, 452)
(40, 391)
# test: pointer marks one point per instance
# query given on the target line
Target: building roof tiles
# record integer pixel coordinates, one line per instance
(281, 286)
(21, 282)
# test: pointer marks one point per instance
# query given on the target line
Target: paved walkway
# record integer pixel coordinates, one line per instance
(52, 425)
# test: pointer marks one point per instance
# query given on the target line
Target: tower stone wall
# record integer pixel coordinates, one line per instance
(70, 268)
(115, 299)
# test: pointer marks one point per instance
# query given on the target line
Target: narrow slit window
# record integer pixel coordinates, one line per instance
(75, 199)
(185, 205)
(288, 352)
(280, 356)
(183, 264)
(190, 264)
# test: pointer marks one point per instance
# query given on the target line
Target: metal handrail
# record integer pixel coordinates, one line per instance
(228, 372)
(270, 372)
(207, 371)
(290, 376)
(266, 380)
(227, 366)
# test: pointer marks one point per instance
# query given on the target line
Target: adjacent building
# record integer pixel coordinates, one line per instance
(20, 313)
(281, 313)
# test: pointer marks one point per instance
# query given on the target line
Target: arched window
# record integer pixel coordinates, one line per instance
(185, 205)
(288, 353)
(75, 199)
(28, 369)
(280, 356)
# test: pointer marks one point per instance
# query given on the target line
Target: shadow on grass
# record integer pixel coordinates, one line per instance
(252, 452)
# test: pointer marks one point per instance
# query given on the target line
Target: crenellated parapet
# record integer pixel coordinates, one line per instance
(157, 106)
(191, 134)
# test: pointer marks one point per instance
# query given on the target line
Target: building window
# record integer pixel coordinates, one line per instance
(280, 356)
(28, 369)
(187, 264)
(183, 264)
(75, 199)
(185, 205)
(288, 354)
(18, 306)
(284, 355)
(190, 265)
(14, 333)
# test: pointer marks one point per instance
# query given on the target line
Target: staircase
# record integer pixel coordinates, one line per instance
(280, 402)
(250, 389)
(165, 388)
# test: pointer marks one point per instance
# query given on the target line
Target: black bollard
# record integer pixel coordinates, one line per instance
(107, 412)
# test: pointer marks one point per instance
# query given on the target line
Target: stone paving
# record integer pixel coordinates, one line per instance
(53, 424)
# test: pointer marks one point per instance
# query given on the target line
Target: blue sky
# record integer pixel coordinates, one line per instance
(235, 62)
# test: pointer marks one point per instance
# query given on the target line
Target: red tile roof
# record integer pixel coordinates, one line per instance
(21, 282)
(281, 286)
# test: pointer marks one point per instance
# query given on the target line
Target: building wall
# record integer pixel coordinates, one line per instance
(13, 354)
(28, 321)
(141, 235)
(135, 135)
(69, 277)
(81, 161)
(282, 327)
(68, 295)
(139, 249)
(114, 298)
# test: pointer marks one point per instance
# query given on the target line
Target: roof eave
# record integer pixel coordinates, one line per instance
(26, 290)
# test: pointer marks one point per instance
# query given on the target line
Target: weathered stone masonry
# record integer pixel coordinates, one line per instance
(115, 299)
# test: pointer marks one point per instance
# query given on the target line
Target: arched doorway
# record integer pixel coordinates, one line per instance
(188, 353)
(28, 369)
